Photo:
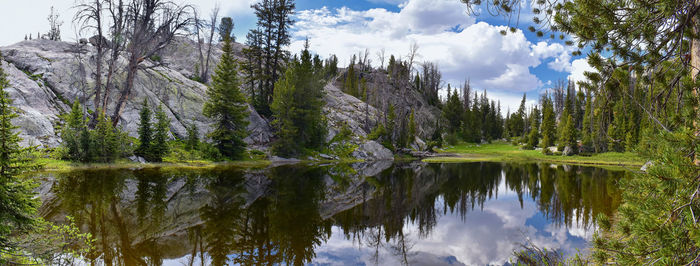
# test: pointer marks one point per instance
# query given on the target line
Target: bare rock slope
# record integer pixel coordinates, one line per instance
(47, 76)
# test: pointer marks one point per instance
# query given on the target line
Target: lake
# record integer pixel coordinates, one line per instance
(379, 213)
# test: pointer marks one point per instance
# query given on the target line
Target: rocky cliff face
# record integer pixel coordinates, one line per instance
(382, 91)
(47, 76)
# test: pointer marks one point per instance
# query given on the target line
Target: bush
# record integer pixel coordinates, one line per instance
(546, 151)
(432, 145)
(344, 134)
(257, 155)
(377, 132)
(452, 138)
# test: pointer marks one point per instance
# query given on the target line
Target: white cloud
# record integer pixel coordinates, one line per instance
(444, 33)
(578, 67)
(30, 16)
(391, 2)
(560, 53)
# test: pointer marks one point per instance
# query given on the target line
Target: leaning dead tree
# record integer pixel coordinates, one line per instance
(207, 28)
(151, 26)
(89, 17)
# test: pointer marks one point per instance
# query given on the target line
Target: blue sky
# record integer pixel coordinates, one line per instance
(464, 47)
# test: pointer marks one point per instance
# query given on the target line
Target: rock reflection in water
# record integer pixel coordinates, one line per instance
(407, 213)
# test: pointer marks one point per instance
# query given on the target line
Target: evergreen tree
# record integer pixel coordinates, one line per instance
(145, 131)
(563, 123)
(548, 122)
(390, 123)
(160, 135)
(350, 86)
(17, 201)
(452, 111)
(569, 137)
(468, 130)
(227, 105)
(330, 67)
(283, 108)
(104, 140)
(412, 127)
(437, 133)
(587, 124)
(75, 125)
(616, 130)
(533, 137)
(192, 138)
(274, 22)
(476, 123)
(580, 109)
(297, 107)
(518, 119)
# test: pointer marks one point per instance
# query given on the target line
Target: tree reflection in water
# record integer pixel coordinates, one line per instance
(283, 215)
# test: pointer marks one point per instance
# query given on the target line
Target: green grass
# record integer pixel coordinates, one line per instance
(506, 152)
(54, 165)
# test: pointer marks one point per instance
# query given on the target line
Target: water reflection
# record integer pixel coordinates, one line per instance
(413, 213)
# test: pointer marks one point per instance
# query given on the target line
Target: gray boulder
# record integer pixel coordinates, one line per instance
(95, 40)
(137, 159)
(371, 150)
(568, 151)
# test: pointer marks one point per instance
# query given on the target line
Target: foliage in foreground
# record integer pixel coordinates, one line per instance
(17, 202)
(658, 223)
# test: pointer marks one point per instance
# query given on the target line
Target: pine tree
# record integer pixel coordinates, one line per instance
(476, 123)
(284, 113)
(104, 140)
(17, 200)
(437, 133)
(587, 124)
(452, 111)
(274, 22)
(145, 131)
(227, 105)
(160, 135)
(548, 122)
(518, 119)
(533, 137)
(192, 138)
(297, 107)
(350, 85)
(390, 124)
(412, 127)
(616, 129)
(569, 137)
(75, 125)
(563, 123)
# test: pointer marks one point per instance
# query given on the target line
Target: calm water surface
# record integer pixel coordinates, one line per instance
(362, 214)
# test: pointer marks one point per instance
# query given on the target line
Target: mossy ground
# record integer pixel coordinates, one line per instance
(506, 152)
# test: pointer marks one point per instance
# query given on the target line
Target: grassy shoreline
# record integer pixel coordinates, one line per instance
(54, 165)
(505, 152)
(460, 153)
